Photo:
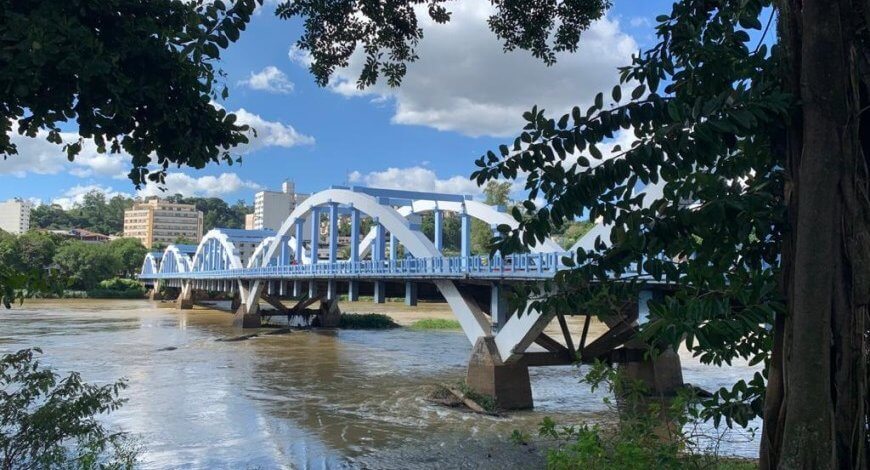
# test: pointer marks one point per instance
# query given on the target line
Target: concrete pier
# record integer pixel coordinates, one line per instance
(508, 384)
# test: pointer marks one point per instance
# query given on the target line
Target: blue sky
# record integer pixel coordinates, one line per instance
(463, 97)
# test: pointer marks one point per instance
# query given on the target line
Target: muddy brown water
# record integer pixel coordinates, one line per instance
(309, 399)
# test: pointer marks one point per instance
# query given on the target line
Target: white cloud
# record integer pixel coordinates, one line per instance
(270, 80)
(38, 156)
(176, 183)
(269, 133)
(206, 186)
(76, 195)
(464, 81)
(640, 21)
(415, 178)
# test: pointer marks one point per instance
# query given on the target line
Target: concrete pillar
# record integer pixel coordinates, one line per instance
(380, 294)
(498, 306)
(508, 384)
(439, 230)
(332, 289)
(353, 291)
(329, 315)
(353, 286)
(411, 294)
(297, 288)
(243, 319)
(312, 289)
(315, 233)
(300, 239)
(465, 237)
(185, 298)
(333, 232)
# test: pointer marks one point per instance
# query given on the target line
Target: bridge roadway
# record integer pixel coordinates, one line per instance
(263, 265)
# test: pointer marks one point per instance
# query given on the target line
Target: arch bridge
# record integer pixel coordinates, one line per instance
(305, 262)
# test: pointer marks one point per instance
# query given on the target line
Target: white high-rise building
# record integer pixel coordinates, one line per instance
(15, 216)
(271, 208)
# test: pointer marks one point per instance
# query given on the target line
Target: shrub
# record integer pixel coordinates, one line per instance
(653, 432)
(366, 321)
(51, 422)
(436, 324)
(117, 288)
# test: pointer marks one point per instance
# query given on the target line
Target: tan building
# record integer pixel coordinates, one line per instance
(159, 222)
(249, 221)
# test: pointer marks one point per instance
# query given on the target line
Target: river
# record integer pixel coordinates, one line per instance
(309, 399)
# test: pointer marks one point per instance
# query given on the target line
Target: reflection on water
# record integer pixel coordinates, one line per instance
(312, 399)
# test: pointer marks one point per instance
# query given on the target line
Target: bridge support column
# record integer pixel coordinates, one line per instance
(312, 289)
(185, 298)
(244, 319)
(329, 315)
(411, 294)
(498, 306)
(508, 384)
(662, 376)
(353, 291)
(297, 288)
(380, 294)
(331, 289)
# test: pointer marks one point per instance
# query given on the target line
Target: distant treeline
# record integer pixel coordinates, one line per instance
(99, 214)
(73, 264)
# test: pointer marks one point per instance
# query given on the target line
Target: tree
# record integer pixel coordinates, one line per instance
(132, 74)
(49, 216)
(84, 265)
(52, 422)
(129, 252)
(216, 212)
(767, 144)
(495, 194)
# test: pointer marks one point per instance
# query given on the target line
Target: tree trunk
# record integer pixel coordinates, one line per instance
(815, 407)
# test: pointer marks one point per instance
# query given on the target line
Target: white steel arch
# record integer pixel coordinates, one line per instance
(151, 264)
(221, 240)
(475, 209)
(470, 317)
(174, 260)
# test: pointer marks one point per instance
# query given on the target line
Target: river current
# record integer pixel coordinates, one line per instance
(308, 399)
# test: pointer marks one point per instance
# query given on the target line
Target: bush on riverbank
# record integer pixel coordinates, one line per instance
(652, 432)
(436, 324)
(51, 421)
(366, 321)
(117, 288)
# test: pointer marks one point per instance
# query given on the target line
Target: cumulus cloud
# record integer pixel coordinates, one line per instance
(415, 178)
(464, 81)
(176, 183)
(206, 186)
(269, 133)
(270, 79)
(75, 195)
(38, 156)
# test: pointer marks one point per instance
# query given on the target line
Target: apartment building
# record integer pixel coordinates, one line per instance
(159, 222)
(271, 208)
(15, 216)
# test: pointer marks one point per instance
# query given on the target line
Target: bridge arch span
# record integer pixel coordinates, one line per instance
(470, 317)
(475, 209)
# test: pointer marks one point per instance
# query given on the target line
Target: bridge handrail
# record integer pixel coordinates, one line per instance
(535, 264)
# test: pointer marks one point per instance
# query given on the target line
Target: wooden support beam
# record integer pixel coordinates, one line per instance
(615, 336)
(565, 332)
(539, 359)
(585, 332)
(273, 301)
(303, 304)
(551, 344)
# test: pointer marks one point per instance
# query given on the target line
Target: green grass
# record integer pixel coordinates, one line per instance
(366, 321)
(436, 324)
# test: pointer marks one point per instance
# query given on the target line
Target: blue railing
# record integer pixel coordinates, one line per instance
(520, 266)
